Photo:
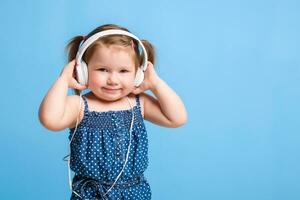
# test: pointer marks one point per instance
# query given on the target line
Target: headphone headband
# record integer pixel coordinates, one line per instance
(100, 34)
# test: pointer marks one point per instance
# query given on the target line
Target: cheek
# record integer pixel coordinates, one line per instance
(129, 80)
(94, 79)
(130, 84)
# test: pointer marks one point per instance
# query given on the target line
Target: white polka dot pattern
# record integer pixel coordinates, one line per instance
(98, 152)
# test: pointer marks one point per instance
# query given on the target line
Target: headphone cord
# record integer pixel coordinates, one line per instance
(67, 157)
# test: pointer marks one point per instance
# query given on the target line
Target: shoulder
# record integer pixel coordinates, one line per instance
(138, 97)
(145, 99)
(73, 102)
(75, 106)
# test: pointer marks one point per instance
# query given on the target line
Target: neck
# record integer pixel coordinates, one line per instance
(122, 102)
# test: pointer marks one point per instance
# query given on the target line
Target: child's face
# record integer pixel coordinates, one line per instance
(111, 72)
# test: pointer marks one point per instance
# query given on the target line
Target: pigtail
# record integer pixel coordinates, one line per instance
(71, 49)
(150, 51)
(73, 46)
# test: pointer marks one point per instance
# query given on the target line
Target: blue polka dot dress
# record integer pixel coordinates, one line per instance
(98, 152)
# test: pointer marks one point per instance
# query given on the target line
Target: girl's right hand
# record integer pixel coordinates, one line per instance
(68, 73)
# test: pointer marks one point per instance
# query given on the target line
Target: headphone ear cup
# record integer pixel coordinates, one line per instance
(139, 77)
(85, 72)
(82, 73)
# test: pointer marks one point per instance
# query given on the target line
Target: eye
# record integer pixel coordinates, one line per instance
(102, 69)
(124, 71)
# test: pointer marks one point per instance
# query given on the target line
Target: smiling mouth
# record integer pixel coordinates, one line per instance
(111, 90)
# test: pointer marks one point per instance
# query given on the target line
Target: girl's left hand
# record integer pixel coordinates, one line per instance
(150, 79)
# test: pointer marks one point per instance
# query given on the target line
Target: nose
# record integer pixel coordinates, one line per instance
(112, 79)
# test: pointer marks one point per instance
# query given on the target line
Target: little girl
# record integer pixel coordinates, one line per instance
(108, 138)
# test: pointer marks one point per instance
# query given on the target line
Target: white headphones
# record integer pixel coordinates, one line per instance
(81, 66)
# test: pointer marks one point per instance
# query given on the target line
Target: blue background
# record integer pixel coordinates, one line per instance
(235, 64)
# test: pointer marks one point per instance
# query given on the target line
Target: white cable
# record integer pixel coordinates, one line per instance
(128, 150)
(69, 171)
(130, 131)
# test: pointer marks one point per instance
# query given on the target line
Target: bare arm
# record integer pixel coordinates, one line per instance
(166, 108)
(57, 110)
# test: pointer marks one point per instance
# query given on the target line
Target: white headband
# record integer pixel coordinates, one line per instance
(100, 34)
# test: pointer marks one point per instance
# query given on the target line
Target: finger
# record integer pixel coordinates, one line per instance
(71, 65)
(137, 91)
(150, 65)
(77, 85)
(69, 68)
(80, 87)
(72, 62)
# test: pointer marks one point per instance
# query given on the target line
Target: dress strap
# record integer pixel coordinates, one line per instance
(137, 99)
(86, 107)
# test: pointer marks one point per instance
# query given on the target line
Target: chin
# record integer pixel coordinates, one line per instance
(110, 97)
